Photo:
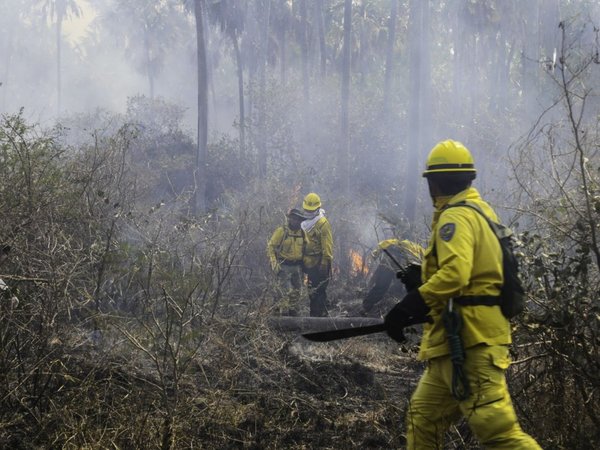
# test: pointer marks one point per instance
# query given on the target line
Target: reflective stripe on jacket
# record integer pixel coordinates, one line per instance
(466, 260)
(285, 245)
(318, 247)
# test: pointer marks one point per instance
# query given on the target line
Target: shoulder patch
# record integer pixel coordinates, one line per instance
(447, 231)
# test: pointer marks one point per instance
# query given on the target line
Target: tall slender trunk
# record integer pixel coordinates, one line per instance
(304, 51)
(7, 65)
(251, 96)
(426, 109)
(344, 151)
(414, 110)
(362, 36)
(240, 77)
(549, 20)
(457, 73)
(209, 71)
(529, 57)
(343, 162)
(283, 53)
(149, 70)
(321, 32)
(200, 172)
(389, 57)
(58, 64)
(262, 125)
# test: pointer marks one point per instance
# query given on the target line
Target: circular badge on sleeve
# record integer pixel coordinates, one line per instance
(447, 231)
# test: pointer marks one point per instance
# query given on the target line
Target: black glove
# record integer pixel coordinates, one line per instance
(411, 310)
(410, 276)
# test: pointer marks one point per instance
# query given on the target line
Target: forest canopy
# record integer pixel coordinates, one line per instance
(149, 148)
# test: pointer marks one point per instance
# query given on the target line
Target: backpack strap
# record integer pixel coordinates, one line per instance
(500, 231)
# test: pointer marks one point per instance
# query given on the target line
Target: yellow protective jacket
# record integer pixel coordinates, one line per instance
(318, 246)
(463, 258)
(408, 251)
(285, 245)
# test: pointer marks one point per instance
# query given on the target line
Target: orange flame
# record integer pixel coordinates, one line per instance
(358, 266)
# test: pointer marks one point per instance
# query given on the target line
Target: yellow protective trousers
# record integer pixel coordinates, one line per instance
(488, 410)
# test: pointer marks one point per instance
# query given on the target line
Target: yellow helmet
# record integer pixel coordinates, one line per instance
(311, 202)
(449, 157)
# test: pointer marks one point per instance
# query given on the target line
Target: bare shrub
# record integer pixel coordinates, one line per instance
(558, 344)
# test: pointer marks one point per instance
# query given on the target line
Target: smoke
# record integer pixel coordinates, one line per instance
(489, 61)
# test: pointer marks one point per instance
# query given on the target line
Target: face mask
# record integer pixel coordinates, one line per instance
(311, 214)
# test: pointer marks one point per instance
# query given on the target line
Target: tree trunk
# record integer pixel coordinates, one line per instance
(389, 57)
(262, 121)
(549, 20)
(210, 63)
(200, 173)
(344, 151)
(58, 64)
(4, 86)
(529, 57)
(149, 64)
(427, 134)
(240, 77)
(321, 32)
(457, 72)
(282, 53)
(414, 110)
(304, 51)
(362, 67)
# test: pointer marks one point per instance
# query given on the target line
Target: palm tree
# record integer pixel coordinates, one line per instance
(147, 30)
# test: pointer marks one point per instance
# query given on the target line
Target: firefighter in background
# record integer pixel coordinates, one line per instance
(465, 336)
(318, 253)
(285, 249)
(406, 255)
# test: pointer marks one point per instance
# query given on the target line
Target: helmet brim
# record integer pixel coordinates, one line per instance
(453, 170)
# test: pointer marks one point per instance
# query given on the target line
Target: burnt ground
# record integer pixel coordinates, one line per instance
(246, 387)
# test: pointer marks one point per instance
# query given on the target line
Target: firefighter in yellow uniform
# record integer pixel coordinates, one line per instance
(284, 250)
(318, 253)
(383, 279)
(462, 264)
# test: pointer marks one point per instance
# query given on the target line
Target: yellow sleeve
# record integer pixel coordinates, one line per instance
(274, 243)
(388, 243)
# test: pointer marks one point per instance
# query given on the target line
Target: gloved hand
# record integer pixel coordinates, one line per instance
(410, 276)
(411, 310)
